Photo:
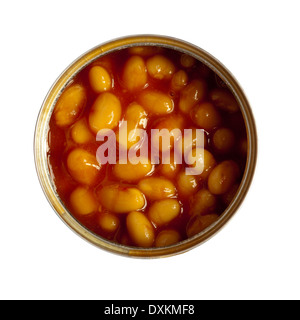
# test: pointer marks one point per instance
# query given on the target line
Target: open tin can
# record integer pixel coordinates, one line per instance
(41, 144)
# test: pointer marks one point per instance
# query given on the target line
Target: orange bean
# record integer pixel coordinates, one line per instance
(83, 166)
(70, 105)
(136, 118)
(179, 80)
(203, 202)
(167, 238)
(164, 211)
(224, 99)
(132, 172)
(105, 112)
(165, 140)
(140, 229)
(187, 61)
(193, 93)
(223, 177)
(134, 74)
(193, 137)
(83, 201)
(198, 223)
(159, 67)
(206, 116)
(203, 164)
(156, 102)
(80, 132)
(170, 168)
(186, 184)
(119, 199)
(156, 188)
(144, 51)
(108, 222)
(99, 79)
(223, 140)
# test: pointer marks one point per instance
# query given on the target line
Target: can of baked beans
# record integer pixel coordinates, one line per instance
(145, 146)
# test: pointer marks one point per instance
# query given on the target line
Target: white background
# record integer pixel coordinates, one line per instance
(256, 255)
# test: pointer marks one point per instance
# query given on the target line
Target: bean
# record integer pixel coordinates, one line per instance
(170, 168)
(83, 166)
(140, 229)
(167, 238)
(105, 112)
(157, 188)
(179, 80)
(120, 199)
(165, 139)
(108, 222)
(136, 118)
(132, 172)
(198, 223)
(99, 79)
(70, 105)
(206, 116)
(203, 202)
(170, 122)
(193, 93)
(164, 211)
(83, 201)
(160, 67)
(223, 177)
(193, 137)
(187, 61)
(202, 161)
(136, 114)
(223, 140)
(224, 99)
(134, 74)
(156, 102)
(80, 132)
(144, 51)
(186, 184)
